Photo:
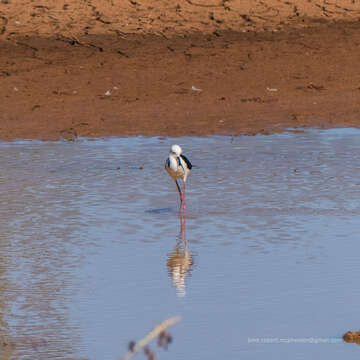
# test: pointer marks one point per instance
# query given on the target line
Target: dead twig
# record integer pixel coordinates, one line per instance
(205, 5)
(159, 329)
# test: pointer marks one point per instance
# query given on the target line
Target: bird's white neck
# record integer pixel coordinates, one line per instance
(174, 156)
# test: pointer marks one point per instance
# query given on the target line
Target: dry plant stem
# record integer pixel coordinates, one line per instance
(150, 336)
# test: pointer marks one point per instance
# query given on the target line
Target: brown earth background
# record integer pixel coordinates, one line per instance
(171, 68)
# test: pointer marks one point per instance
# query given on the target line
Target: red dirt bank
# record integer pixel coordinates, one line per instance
(97, 68)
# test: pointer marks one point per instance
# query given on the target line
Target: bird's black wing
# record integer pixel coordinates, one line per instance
(167, 163)
(187, 161)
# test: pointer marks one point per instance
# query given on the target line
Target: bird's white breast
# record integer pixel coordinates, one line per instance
(174, 169)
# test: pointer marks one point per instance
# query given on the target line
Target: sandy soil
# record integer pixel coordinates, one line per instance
(106, 68)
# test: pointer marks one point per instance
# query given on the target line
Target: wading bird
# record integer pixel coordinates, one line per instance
(178, 166)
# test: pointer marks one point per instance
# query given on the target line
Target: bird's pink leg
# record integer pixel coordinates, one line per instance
(180, 194)
(184, 199)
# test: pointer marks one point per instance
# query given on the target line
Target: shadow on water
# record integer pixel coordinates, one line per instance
(159, 211)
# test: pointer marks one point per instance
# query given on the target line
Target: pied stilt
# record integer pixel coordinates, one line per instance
(178, 166)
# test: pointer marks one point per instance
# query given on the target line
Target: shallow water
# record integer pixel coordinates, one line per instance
(91, 254)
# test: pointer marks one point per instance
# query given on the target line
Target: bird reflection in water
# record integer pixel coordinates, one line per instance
(180, 261)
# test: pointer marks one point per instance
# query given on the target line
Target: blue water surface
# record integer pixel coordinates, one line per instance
(92, 254)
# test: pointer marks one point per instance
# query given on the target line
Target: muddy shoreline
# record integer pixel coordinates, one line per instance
(224, 82)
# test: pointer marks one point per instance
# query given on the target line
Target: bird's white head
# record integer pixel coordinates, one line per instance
(176, 149)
